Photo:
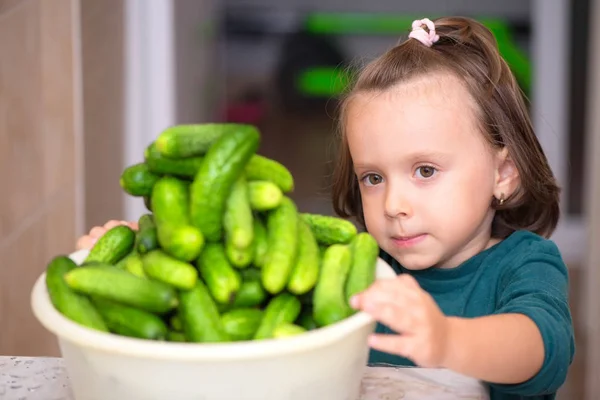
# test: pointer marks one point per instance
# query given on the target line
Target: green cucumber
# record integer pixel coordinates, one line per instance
(284, 307)
(133, 264)
(114, 245)
(174, 336)
(184, 242)
(148, 202)
(75, 306)
(222, 166)
(175, 323)
(306, 269)
(241, 323)
(177, 237)
(119, 264)
(146, 221)
(264, 195)
(222, 280)
(261, 168)
(251, 292)
(322, 249)
(237, 257)
(162, 267)
(287, 329)
(190, 140)
(330, 230)
(130, 321)
(162, 165)
(200, 317)
(238, 218)
(365, 251)
(282, 228)
(238, 225)
(329, 299)
(260, 244)
(137, 180)
(122, 287)
(147, 235)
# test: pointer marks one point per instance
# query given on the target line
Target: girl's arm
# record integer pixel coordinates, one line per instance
(527, 345)
(502, 348)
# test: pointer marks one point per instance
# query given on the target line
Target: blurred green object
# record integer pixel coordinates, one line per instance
(327, 81)
(323, 81)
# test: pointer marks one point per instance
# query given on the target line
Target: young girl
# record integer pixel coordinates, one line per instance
(439, 162)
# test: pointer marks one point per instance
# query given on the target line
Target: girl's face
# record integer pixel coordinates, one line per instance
(427, 176)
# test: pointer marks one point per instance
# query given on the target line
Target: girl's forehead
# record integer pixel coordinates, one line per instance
(423, 103)
(421, 114)
(437, 90)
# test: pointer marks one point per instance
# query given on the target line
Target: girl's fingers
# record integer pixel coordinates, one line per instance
(397, 291)
(398, 318)
(112, 223)
(88, 241)
(97, 231)
(85, 242)
(392, 302)
(133, 225)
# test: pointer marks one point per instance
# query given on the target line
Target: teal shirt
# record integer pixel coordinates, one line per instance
(523, 274)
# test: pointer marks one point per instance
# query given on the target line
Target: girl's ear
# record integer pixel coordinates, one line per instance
(507, 175)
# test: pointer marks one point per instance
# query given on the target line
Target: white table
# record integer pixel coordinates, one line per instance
(26, 378)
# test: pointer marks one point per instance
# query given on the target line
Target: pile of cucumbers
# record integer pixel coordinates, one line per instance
(223, 253)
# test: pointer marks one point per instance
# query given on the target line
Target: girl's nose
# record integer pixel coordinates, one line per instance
(397, 204)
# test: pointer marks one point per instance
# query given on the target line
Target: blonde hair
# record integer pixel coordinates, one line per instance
(468, 50)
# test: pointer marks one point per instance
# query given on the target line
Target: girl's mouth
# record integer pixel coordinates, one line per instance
(408, 241)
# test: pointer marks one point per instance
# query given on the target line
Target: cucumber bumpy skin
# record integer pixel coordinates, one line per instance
(75, 306)
(238, 220)
(329, 299)
(189, 140)
(171, 205)
(330, 230)
(115, 284)
(306, 269)
(365, 251)
(223, 164)
(282, 228)
(200, 316)
(113, 246)
(285, 307)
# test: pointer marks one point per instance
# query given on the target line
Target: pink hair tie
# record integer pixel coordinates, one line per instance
(427, 38)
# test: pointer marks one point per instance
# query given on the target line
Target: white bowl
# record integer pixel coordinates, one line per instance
(324, 364)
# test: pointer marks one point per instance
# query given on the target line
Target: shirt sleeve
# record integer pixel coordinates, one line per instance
(537, 286)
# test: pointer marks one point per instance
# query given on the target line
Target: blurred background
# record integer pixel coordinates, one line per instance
(86, 85)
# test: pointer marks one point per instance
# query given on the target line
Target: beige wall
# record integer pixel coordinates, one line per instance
(61, 124)
(39, 140)
(593, 211)
(103, 63)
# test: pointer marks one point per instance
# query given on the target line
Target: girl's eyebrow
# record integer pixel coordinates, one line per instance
(424, 155)
(429, 155)
(360, 165)
(364, 166)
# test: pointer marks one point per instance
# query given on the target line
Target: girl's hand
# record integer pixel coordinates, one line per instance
(404, 307)
(88, 241)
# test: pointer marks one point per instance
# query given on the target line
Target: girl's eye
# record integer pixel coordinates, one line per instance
(372, 179)
(426, 171)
